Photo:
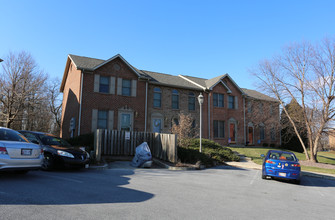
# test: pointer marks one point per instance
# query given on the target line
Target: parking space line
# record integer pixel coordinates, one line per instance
(254, 178)
(63, 178)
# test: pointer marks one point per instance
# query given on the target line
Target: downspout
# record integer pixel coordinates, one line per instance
(209, 116)
(146, 106)
(245, 141)
(80, 100)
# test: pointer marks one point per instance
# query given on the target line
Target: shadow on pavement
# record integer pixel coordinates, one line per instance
(225, 167)
(69, 187)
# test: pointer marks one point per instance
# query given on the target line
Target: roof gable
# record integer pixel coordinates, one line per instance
(125, 61)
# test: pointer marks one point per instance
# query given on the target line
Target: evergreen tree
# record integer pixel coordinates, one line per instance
(290, 140)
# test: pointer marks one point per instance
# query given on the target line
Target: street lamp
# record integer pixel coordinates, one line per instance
(201, 101)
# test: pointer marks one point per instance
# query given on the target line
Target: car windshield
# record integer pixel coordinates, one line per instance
(9, 135)
(282, 156)
(51, 140)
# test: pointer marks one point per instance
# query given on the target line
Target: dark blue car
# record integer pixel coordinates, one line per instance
(281, 164)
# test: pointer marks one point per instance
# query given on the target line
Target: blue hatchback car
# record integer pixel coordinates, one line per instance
(281, 164)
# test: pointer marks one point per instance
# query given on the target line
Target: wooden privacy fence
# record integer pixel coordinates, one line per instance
(123, 143)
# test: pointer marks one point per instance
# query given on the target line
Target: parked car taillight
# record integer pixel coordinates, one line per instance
(270, 161)
(3, 150)
(295, 165)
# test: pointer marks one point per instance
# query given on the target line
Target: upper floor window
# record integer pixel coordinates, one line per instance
(231, 102)
(261, 108)
(175, 99)
(126, 87)
(218, 100)
(218, 127)
(191, 101)
(102, 119)
(249, 107)
(104, 84)
(271, 109)
(157, 97)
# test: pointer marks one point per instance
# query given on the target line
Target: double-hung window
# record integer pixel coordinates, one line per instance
(191, 101)
(218, 129)
(157, 97)
(261, 132)
(231, 102)
(104, 84)
(218, 100)
(175, 99)
(273, 134)
(102, 119)
(126, 87)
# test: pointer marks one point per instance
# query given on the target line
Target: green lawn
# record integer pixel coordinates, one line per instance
(255, 152)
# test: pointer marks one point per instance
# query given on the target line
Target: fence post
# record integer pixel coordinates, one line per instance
(97, 144)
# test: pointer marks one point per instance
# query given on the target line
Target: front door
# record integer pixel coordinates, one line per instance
(232, 132)
(125, 122)
(251, 135)
(157, 125)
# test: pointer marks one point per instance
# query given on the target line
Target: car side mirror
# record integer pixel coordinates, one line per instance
(262, 155)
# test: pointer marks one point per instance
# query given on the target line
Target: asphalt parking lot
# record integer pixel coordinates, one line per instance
(128, 193)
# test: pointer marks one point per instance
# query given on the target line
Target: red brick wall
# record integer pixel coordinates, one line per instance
(257, 117)
(70, 106)
(166, 109)
(101, 101)
(224, 113)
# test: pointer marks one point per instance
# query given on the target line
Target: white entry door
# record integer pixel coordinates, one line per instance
(125, 122)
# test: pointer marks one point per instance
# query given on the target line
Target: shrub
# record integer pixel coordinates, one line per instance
(212, 153)
(85, 140)
(273, 145)
(265, 144)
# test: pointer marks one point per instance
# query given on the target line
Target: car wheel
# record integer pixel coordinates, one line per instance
(47, 163)
(263, 177)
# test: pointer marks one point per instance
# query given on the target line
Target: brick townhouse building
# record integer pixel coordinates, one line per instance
(113, 94)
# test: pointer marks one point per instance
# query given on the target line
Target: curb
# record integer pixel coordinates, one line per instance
(99, 167)
(318, 175)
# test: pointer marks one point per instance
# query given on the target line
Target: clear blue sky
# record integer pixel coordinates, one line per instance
(197, 38)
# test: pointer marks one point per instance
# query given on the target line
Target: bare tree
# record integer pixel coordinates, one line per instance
(304, 72)
(21, 84)
(185, 130)
(55, 104)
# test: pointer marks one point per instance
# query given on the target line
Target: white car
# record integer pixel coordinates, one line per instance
(16, 153)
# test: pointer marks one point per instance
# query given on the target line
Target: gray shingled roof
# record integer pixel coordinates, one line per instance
(166, 79)
(85, 62)
(257, 95)
(170, 80)
(213, 81)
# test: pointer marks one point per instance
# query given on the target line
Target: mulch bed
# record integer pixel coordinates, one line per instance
(319, 165)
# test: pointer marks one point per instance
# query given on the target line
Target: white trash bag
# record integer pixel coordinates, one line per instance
(143, 156)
